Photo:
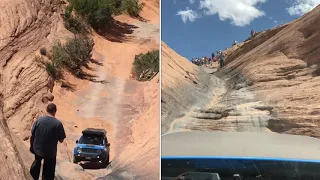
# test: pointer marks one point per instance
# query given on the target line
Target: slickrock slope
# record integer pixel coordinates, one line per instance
(127, 109)
(271, 83)
(282, 65)
(184, 85)
(14, 168)
(25, 26)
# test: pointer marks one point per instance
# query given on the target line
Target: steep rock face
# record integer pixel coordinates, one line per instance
(283, 71)
(271, 83)
(14, 168)
(26, 25)
(141, 155)
(184, 86)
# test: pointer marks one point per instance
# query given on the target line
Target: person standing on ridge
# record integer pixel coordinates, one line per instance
(234, 43)
(222, 58)
(45, 134)
(252, 32)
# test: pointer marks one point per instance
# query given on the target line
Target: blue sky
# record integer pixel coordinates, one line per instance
(196, 28)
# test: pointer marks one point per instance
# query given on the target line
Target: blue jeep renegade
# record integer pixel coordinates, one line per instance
(92, 146)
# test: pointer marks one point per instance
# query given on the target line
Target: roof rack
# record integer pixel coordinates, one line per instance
(94, 131)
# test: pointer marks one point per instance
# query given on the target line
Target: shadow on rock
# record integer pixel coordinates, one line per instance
(92, 165)
(117, 31)
(142, 19)
(68, 86)
(316, 72)
(87, 76)
(96, 62)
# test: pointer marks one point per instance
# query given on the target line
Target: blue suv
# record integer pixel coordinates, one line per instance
(92, 146)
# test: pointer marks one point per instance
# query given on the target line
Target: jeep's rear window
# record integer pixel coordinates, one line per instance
(94, 140)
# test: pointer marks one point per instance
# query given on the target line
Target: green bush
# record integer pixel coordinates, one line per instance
(97, 12)
(72, 56)
(68, 12)
(132, 7)
(59, 55)
(76, 25)
(79, 51)
(53, 71)
(146, 65)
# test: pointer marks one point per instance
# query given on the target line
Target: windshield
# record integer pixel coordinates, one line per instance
(245, 169)
(94, 140)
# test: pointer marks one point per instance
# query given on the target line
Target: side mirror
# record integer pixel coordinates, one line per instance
(77, 141)
(108, 144)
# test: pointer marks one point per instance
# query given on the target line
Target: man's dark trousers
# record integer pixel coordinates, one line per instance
(49, 166)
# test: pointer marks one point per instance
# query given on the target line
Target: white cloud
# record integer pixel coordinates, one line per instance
(240, 12)
(191, 1)
(188, 14)
(300, 7)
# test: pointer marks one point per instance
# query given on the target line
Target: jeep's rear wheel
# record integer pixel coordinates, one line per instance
(74, 160)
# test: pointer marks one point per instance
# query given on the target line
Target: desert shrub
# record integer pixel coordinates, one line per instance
(43, 51)
(97, 12)
(58, 55)
(146, 65)
(68, 11)
(72, 56)
(118, 4)
(132, 7)
(79, 53)
(76, 25)
(53, 71)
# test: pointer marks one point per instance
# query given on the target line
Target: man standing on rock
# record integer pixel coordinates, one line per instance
(222, 58)
(45, 134)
